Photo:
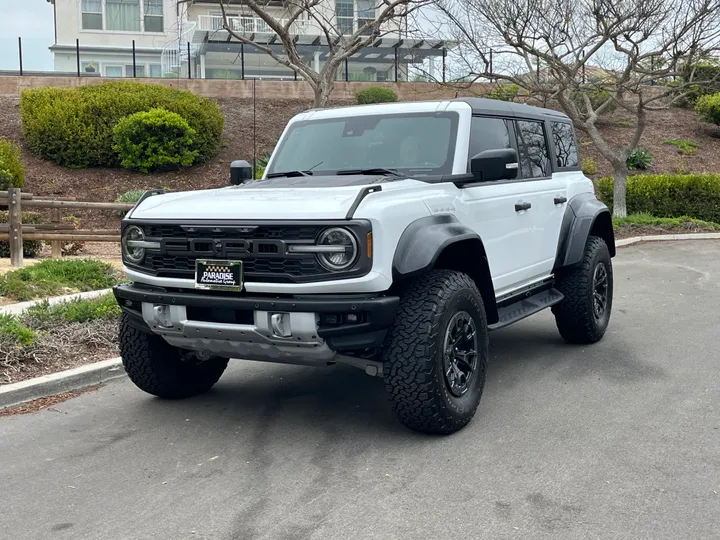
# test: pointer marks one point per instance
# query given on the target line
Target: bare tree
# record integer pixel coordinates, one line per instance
(338, 41)
(589, 56)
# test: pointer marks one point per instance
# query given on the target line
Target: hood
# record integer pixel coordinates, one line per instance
(256, 200)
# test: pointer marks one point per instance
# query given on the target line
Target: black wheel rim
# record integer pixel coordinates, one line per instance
(460, 353)
(600, 291)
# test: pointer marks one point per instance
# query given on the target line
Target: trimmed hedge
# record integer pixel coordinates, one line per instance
(31, 248)
(669, 195)
(12, 171)
(376, 94)
(154, 140)
(74, 126)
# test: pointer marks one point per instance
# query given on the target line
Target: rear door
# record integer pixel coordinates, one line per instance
(546, 189)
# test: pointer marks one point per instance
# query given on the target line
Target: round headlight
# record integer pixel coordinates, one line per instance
(345, 253)
(132, 244)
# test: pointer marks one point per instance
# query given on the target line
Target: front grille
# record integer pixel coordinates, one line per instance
(262, 248)
(184, 267)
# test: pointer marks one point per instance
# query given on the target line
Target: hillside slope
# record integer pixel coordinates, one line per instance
(44, 178)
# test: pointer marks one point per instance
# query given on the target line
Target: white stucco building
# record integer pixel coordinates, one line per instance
(181, 38)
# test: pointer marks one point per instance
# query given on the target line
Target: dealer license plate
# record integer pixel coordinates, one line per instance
(219, 275)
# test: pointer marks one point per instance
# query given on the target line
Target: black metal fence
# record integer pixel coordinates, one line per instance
(185, 60)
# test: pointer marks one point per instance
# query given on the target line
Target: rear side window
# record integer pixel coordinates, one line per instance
(532, 149)
(487, 134)
(566, 151)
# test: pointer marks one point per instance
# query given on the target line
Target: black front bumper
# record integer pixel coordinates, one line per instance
(373, 315)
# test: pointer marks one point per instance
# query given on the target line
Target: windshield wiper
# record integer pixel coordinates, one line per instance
(289, 174)
(391, 172)
(292, 174)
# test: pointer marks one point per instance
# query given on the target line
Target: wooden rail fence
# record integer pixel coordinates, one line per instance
(55, 232)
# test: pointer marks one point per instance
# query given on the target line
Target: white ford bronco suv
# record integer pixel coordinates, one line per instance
(388, 237)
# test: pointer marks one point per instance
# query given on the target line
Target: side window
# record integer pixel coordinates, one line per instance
(566, 151)
(487, 134)
(532, 147)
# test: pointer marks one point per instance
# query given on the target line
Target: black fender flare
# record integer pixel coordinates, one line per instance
(584, 214)
(426, 240)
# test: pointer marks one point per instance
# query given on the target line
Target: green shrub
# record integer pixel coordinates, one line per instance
(12, 328)
(12, 171)
(668, 195)
(376, 94)
(708, 108)
(55, 277)
(597, 96)
(589, 166)
(504, 92)
(708, 72)
(74, 126)
(154, 140)
(31, 248)
(684, 146)
(638, 159)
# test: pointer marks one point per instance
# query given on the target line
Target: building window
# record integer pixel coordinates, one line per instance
(566, 151)
(365, 15)
(139, 70)
(113, 71)
(123, 15)
(344, 13)
(154, 16)
(156, 71)
(92, 15)
(534, 159)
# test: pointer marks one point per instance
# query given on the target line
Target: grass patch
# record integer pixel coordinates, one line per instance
(647, 220)
(42, 315)
(56, 277)
(25, 329)
(684, 146)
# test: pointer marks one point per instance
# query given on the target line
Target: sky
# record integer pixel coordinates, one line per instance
(33, 21)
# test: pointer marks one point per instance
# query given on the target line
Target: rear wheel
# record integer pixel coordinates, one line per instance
(584, 314)
(436, 353)
(160, 369)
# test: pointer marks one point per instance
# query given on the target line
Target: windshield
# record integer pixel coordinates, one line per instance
(418, 144)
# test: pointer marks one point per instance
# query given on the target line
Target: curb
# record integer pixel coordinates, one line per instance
(666, 237)
(21, 392)
(17, 309)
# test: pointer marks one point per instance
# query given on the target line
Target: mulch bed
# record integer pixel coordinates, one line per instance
(63, 347)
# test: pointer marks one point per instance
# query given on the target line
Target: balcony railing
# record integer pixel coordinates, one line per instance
(247, 25)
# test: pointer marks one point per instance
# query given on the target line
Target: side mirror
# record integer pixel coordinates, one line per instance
(500, 164)
(240, 171)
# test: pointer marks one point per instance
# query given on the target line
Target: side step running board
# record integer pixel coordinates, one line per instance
(527, 306)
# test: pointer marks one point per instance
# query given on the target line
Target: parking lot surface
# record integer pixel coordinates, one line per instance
(619, 440)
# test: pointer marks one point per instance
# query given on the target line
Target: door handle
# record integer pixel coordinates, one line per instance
(522, 206)
(560, 200)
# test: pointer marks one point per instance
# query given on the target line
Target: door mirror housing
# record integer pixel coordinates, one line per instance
(240, 172)
(493, 165)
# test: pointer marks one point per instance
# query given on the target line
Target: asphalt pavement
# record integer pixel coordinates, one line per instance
(620, 440)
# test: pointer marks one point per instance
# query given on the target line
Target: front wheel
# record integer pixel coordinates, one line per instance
(158, 368)
(436, 353)
(584, 314)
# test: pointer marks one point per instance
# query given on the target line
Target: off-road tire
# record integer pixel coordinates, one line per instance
(413, 354)
(574, 316)
(158, 369)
